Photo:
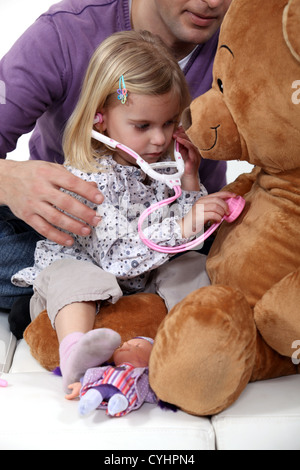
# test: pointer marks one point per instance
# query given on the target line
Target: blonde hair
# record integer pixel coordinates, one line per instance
(148, 67)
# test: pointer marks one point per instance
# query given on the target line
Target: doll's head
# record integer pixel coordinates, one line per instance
(136, 351)
(137, 61)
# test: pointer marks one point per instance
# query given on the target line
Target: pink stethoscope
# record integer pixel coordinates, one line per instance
(235, 205)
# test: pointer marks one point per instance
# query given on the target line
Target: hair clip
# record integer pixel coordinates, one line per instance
(122, 91)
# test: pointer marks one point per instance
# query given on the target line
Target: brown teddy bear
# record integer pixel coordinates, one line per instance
(244, 326)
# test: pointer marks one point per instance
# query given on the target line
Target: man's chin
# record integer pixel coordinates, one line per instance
(200, 35)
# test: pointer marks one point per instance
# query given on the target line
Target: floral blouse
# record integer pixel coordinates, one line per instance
(115, 245)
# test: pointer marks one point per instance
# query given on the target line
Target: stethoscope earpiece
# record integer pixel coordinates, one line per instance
(98, 119)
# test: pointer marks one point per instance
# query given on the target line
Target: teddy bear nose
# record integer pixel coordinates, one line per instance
(186, 119)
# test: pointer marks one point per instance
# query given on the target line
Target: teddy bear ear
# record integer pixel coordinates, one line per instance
(291, 27)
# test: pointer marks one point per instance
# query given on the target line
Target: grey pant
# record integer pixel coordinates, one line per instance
(67, 281)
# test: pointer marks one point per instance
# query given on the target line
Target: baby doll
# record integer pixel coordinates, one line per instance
(118, 388)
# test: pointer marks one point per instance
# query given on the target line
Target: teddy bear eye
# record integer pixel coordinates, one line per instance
(220, 85)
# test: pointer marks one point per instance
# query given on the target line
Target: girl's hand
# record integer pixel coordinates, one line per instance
(192, 160)
(208, 208)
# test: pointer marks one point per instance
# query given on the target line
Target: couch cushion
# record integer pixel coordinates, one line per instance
(43, 402)
(35, 415)
(23, 361)
(7, 344)
(265, 417)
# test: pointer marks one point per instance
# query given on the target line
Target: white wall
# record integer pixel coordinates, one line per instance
(15, 17)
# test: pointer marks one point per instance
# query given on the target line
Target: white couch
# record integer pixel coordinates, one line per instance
(34, 415)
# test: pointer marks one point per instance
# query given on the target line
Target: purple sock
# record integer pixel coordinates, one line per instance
(79, 352)
(65, 349)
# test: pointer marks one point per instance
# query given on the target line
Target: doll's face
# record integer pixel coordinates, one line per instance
(135, 351)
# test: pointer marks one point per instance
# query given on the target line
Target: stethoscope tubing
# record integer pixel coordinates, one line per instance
(174, 182)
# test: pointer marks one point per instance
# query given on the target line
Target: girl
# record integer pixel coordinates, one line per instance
(134, 92)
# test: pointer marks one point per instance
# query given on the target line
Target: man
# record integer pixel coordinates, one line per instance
(43, 74)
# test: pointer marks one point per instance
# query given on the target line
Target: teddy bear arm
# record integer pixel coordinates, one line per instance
(243, 184)
(277, 314)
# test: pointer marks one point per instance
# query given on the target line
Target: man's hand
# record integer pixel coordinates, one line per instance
(32, 191)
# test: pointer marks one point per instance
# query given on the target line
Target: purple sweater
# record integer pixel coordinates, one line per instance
(44, 71)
